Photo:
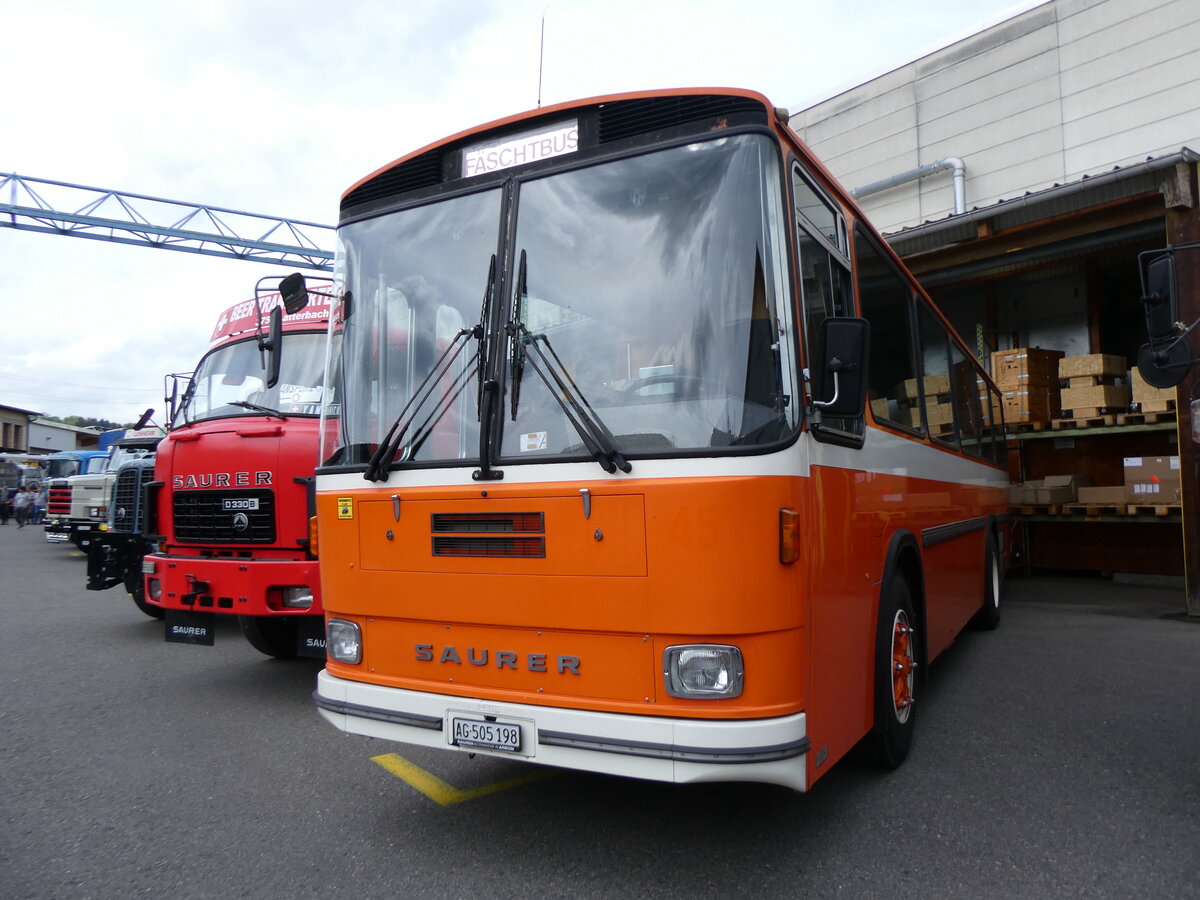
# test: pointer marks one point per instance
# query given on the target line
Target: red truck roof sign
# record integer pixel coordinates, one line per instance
(245, 316)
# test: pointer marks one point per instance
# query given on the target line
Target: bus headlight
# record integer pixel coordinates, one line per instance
(703, 670)
(298, 597)
(343, 641)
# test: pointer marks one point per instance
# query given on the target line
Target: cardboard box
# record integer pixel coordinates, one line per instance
(1144, 393)
(934, 385)
(1031, 405)
(1152, 480)
(1107, 495)
(1058, 489)
(1096, 397)
(1024, 494)
(936, 414)
(1008, 365)
(1093, 364)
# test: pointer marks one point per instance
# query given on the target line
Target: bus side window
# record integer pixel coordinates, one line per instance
(936, 387)
(885, 300)
(969, 411)
(824, 274)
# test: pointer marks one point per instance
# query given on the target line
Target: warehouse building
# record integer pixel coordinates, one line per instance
(1022, 173)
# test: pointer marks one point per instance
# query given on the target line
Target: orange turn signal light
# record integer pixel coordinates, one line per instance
(312, 535)
(789, 535)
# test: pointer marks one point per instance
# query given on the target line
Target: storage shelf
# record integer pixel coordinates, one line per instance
(1091, 432)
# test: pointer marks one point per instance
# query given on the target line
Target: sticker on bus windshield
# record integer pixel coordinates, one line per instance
(535, 440)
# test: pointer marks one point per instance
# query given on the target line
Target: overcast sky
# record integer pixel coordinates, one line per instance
(278, 107)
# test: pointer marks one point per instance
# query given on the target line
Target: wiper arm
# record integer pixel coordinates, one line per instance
(385, 454)
(266, 410)
(596, 437)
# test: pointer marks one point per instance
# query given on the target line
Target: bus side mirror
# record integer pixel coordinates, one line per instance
(274, 347)
(294, 291)
(840, 379)
(1164, 361)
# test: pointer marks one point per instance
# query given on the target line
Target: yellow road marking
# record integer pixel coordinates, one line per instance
(447, 794)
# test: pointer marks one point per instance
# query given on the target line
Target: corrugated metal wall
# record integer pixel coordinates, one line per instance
(1066, 89)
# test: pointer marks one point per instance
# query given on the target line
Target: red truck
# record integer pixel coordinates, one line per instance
(232, 495)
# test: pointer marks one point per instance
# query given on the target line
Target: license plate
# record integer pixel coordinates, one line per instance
(249, 504)
(490, 735)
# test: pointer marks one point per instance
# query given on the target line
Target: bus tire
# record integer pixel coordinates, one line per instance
(896, 644)
(988, 617)
(274, 636)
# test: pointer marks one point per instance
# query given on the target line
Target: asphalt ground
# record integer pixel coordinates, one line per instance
(1056, 757)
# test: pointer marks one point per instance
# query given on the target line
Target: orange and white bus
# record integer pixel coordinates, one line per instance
(605, 491)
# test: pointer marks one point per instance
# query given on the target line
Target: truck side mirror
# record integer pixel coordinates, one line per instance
(274, 347)
(840, 378)
(294, 291)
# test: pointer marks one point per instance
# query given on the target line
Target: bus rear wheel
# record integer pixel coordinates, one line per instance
(270, 635)
(895, 677)
(988, 617)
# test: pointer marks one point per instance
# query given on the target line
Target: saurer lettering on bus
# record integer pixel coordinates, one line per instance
(504, 659)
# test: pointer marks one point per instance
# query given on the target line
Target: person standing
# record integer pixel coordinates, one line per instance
(21, 505)
(40, 498)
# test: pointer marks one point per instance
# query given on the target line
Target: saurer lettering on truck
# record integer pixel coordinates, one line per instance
(221, 479)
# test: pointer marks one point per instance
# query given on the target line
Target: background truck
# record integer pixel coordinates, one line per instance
(116, 550)
(231, 499)
(78, 495)
(79, 505)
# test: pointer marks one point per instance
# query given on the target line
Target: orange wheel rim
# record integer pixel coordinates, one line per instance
(903, 665)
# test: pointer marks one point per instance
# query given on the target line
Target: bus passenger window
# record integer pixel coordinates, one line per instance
(935, 382)
(824, 275)
(885, 299)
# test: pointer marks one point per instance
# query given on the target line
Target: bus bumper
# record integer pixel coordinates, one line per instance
(649, 747)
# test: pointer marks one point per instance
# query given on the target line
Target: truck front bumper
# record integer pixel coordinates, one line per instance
(243, 587)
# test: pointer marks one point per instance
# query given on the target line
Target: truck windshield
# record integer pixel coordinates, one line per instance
(234, 374)
(654, 287)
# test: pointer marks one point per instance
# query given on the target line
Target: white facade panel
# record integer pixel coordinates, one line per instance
(1066, 89)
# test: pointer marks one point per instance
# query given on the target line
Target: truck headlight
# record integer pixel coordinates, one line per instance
(703, 670)
(298, 597)
(343, 641)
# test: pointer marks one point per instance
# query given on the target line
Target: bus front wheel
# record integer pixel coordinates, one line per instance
(895, 677)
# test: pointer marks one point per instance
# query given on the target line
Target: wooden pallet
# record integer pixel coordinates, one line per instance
(1093, 510)
(1020, 427)
(1094, 421)
(1152, 509)
(1145, 418)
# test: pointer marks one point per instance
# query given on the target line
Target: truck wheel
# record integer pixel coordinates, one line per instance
(270, 635)
(154, 612)
(895, 677)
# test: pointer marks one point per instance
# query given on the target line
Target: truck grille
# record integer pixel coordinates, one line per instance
(128, 515)
(224, 517)
(59, 501)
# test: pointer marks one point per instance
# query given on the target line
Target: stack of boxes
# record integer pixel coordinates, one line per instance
(1149, 481)
(1090, 385)
(1028, 381)
(1151, 399)
(939, 411)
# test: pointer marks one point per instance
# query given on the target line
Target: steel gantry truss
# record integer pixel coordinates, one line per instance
(104, 215)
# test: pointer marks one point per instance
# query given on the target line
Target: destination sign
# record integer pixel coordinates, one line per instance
(520, 149)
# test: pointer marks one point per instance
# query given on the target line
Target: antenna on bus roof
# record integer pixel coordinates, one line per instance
(542, 54)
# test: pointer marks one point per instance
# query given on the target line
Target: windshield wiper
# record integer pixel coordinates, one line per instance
(266, 410)
(385, 454)
(598, 440)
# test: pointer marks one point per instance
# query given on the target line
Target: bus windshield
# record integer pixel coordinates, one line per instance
(650, 293)
(231, 381)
